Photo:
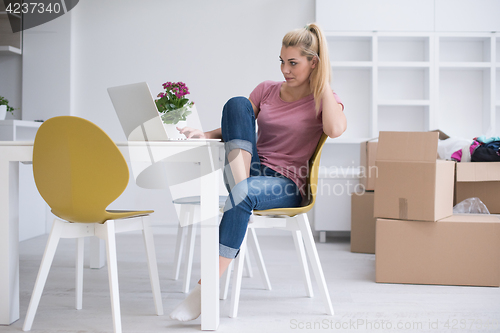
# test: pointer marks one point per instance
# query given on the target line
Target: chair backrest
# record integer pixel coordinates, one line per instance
(312, 178)
(78, 169)
(312, 186)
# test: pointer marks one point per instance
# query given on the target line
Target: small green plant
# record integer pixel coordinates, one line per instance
(172, 104)
(4, 101)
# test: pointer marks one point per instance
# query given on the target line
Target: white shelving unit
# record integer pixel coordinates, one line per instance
(11, 59)
(467, 76)
(9, 42)
(396, 73)
(417, 81)
(5, 49)
(389, 74)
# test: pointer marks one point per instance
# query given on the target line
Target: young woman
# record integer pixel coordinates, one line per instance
(270, 172)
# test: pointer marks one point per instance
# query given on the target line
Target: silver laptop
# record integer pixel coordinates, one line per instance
(138, 114)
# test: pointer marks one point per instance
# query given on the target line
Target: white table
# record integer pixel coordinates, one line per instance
(206, 153)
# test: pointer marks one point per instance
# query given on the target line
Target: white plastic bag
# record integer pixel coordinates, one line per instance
(471, 206)
(447, 147)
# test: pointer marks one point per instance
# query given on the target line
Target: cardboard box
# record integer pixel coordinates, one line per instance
(368, 154)
(442, 135)
(479, 179)
(362, 223)
(458, 250)
(368, 170)
(412, 184)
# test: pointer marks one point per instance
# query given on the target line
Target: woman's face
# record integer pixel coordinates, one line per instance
(295, 67)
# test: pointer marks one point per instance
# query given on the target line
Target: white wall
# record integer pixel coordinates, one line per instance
(47, 69)
(218, 48)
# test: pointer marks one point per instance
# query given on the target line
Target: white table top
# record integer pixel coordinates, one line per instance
(130, 143)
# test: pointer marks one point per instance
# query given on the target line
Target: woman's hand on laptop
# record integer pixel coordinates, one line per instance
(192, 132)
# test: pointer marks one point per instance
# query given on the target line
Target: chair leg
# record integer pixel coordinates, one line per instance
(152, 265)
(191, 237)
(312, 252)
(43, 272)
(225, 279)
(254, 243)
(179, 245)
(301, 253)
(79, 272)
(238, 272)
(106, 231)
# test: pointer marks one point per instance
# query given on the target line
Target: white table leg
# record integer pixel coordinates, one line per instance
(9, 242)
(210, 242)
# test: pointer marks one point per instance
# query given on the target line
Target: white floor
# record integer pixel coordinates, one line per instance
(360, 304)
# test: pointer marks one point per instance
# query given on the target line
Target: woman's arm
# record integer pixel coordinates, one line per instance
(190, 132)
(255, 108)
(334, 120)
(215, 134)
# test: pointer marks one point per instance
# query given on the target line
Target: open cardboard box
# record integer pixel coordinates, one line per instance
(479, 179)
(412, 184)
(368, 154)
(457, 250)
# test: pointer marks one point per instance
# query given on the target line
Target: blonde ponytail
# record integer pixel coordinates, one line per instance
(313, 43)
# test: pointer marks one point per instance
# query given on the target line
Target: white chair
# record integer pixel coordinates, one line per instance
(79, 171)
(296, 221)
(189, 207)
(182, 180)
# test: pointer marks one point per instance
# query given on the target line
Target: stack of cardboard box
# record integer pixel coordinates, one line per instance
(362, 219)
(418, 239)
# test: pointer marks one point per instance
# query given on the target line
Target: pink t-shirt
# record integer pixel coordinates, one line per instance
(288, 131)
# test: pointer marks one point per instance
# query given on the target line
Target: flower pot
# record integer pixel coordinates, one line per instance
(172, 130)
(3, 112)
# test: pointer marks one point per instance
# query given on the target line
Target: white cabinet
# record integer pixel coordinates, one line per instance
(369, 15)
(409, 15)
(338, 178)
(333, 203)
(467, 15)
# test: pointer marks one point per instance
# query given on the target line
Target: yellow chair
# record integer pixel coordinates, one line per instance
(295, 220)
(79, 171)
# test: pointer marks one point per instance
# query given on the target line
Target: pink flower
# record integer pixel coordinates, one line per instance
(173, 96)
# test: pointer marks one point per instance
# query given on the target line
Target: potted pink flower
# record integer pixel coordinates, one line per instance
(174, 107)
(172, 104)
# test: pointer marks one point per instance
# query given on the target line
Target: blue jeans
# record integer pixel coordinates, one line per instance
(264, 189)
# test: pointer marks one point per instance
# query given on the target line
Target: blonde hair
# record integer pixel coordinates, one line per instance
(312, 43)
